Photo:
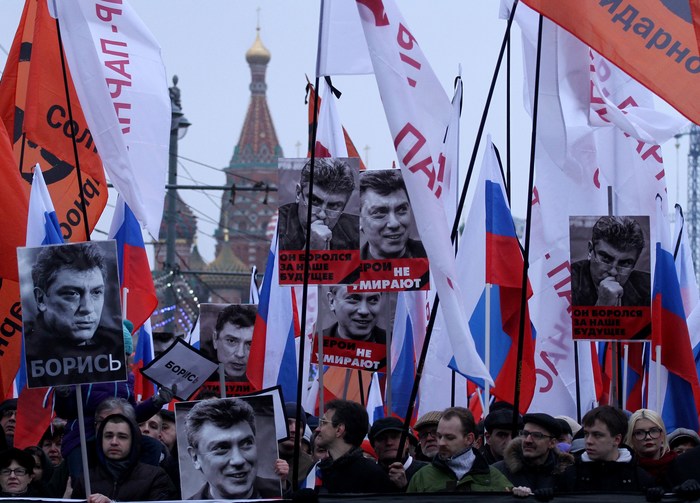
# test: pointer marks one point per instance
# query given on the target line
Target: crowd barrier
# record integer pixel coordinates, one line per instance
(428, 498)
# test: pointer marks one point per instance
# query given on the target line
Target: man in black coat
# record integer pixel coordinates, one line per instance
(119, 475)
(384, 436)
(341, 430)
(606, 465)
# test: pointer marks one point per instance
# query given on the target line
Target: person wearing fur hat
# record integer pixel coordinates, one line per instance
(532, 460)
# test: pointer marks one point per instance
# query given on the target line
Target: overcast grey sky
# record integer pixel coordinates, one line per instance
(204, 43)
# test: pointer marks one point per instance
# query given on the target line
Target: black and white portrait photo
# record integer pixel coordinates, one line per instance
(610, 263)
(227, 448)
(72, 314)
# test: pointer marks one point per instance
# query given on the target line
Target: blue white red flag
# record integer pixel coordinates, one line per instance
(273, 356)
(492, 256)
(678, 379)
(143, 355)
(375, 402)
(42, 229)
(406, 344)
(134, 269)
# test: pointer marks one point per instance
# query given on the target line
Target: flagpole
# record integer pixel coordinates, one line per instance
(83, 205)
(487, 348)
(455, 231)
(508, 115)
(307, 249)
(528, 225)
(625, 367)
(482, 124)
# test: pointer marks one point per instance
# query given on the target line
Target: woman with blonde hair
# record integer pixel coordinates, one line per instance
(646, 435)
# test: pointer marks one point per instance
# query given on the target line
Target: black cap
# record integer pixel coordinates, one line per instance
(290, 408)
(167, 415)
(500, 418)
(545, 421)
(388, 424)
(565, 427)
(10, 404)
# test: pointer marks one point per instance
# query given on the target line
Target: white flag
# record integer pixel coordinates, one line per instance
(121, 83)
(418, 111)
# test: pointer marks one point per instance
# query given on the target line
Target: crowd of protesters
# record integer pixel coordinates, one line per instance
(133, 457)
(132, 451)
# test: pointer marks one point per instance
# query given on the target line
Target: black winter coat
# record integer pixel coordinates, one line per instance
(353, 473)
(137, 482)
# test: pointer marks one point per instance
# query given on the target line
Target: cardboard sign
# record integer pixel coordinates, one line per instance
(181, 368)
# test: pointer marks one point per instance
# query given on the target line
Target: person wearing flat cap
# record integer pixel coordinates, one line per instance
(384, 436)
(426, 429)
(532, 461)
(498, 427)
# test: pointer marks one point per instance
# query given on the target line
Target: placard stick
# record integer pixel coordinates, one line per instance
(625, 368)
(83, 440)
(125, 294)
(222, 380)
(658, 378)
(487, 348)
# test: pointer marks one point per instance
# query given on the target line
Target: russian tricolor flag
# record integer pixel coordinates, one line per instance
(493, 255)
(42, 229)
(679, 391)
(406, 343)
(141, 300)
(273, 357)
(134, 269)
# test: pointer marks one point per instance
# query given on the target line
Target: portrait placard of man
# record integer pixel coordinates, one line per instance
(393, 258)
(608, 275)
(610, 278)
(354, 326)
(227, 448)
(328, 213)
(72, 314)
(226, 333)
(387, 227)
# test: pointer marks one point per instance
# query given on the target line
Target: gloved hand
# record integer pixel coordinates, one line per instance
(690, 489)
(655, 494)
(164, 396)
(544, 494)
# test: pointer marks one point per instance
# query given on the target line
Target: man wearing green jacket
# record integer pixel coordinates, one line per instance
(457, 466)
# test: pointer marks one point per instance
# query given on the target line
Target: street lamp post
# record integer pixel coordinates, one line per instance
(178, 128)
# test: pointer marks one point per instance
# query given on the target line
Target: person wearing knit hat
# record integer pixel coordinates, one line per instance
(532, 461)
(426, 429)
